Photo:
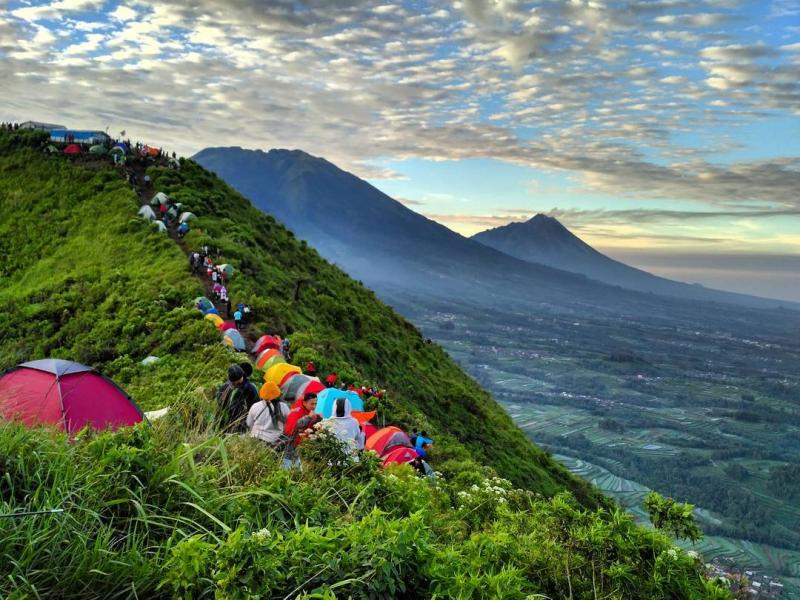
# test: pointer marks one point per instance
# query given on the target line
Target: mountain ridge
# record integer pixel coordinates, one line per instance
(341, 215)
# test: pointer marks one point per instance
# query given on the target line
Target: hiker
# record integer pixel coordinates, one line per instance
(183, 228)
(285, 348)
(266, 418)
(234, 398)
(311, 369)
(223, 294)
(215, 289)
(192, 262)
(228, 308)
(247, 313)
(237, 319)
(299, 424)
(330, 380)
(345, 427)
(214, 276)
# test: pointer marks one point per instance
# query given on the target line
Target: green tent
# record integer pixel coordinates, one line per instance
(51, 149)
(98, 149)
(227, 269)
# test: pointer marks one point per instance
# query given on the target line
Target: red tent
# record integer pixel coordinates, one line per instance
(400, 455)
(386, 439)
(72, 149)
(368, 429)
(64, 393)
(266, 342)
(225, 326)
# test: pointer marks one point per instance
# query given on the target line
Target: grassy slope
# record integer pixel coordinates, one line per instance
(108, 290)
(173, 508)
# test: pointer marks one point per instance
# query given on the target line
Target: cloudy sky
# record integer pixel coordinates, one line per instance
(664, 132)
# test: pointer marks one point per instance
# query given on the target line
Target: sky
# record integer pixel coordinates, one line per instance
(666, 133)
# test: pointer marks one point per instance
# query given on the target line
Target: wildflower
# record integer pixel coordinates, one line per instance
(262, 535)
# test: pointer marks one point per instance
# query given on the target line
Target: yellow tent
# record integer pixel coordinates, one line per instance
(215, 319)
(277, 373)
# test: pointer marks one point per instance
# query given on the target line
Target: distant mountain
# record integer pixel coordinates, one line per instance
(391, 248)
(546, 241)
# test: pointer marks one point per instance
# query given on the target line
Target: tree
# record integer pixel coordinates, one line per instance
(672, 517)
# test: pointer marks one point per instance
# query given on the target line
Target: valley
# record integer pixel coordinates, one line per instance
(688, 408)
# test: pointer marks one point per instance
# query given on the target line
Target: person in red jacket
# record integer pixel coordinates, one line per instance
(330, 380)
(301, 419)
(311, 369)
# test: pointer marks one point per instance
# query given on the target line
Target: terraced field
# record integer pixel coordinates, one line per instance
(694, 411)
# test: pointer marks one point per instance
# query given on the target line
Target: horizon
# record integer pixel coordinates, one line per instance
(658, 132)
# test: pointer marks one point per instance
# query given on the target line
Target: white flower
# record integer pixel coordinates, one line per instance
(262, 534)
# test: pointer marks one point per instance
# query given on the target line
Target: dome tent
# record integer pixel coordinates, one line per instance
(326, 400)
(160, 198)
(399, 455)
(160, 226)
(203, 303)
(232, 338)
(147, 213)
(72, 149)
(266, 342)
(67, 394)
(186, 216)
(215, 319)
(97, 149)
(277, 373)
(268, 358)
(386, 439)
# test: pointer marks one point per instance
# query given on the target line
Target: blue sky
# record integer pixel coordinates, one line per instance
(651, 128)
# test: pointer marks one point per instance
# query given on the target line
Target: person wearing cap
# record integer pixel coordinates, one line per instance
(267, 417)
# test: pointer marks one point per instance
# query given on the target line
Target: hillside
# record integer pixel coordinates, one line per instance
(341, 216)
(546, 241)
(176, 509)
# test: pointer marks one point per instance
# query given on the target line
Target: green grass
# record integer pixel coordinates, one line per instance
(178, 510)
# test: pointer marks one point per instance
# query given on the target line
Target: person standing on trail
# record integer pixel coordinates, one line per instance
(237, 319)
(228, 308)
(223, 294)
(214, 276)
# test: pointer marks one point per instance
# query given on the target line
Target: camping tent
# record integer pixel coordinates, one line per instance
(72, 149)
(227, 269)
(173, 163)
(314, 386)
(97, 149)
(225, 326)
(160, 226)
(266, 342)
(160, 198)
(150, 151)
(277, 373)
(186, 216)
(272, 360)
(64, 393)
(147, 213)
(266, 355)
(326, 400)
(400, 455)
(215, 319)
(233, 338)
(211, 310)
(386, 439)
(51, 149)
(120, 147)
(203, 303)
(293, 382)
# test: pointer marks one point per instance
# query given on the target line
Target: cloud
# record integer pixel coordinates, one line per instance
(604, 92)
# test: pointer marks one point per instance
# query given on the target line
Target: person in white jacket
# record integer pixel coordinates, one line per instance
(266, 419)
(345, 427)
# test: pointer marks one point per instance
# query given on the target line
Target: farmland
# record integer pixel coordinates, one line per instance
(705, 410)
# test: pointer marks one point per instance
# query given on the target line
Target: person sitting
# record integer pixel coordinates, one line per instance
(299, 424)
(345, 427)
(266, 418)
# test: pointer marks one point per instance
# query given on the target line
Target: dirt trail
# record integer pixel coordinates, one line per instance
(146, 193)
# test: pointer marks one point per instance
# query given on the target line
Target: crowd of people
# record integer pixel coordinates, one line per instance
(261, 414)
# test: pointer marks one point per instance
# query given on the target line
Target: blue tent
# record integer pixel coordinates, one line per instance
(122, 145)
(210, 311)
(234, 339)
(326, 400)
